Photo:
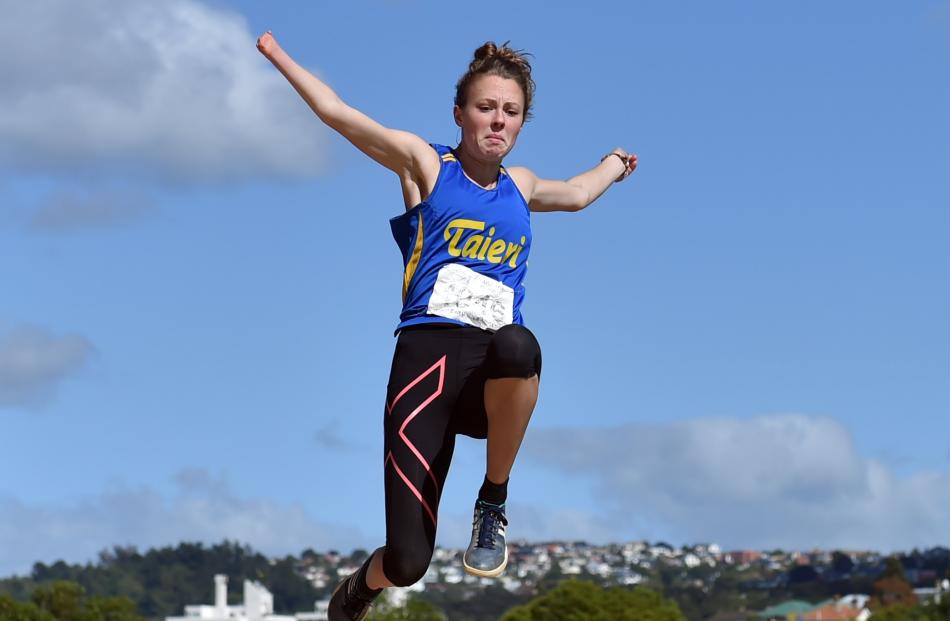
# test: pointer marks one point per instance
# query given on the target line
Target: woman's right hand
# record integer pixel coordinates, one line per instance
(267, 44)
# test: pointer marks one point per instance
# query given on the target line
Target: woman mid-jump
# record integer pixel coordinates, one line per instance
(464, 362)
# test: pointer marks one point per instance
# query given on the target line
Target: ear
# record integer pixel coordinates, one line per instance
(457, 113)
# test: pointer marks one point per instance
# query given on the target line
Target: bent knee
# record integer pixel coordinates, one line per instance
(513, 352)
(405, 567)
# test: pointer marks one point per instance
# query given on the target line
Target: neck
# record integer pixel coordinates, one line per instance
(481, 172)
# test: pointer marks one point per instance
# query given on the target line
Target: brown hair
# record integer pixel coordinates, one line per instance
(504, 62)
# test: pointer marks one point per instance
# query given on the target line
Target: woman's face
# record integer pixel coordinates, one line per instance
(491, 118)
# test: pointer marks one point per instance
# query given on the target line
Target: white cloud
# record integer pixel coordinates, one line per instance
(33, 363)
(175, 88)
(771, 481)
(538, 524)
(203, 509)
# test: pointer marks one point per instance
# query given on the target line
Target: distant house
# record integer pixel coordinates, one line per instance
(836, 610)
(790, 609)
(855, 600)
(848, 608)
(942, 587)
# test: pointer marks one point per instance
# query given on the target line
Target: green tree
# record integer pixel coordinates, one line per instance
(63, 600)
(160, 582)
(842, 562)
(802, 573)
(67, 601)
(893, 568)
(900, 613)
(584, 601)
(940, 611)
(12, 610)
(291, 591)
(111, 609)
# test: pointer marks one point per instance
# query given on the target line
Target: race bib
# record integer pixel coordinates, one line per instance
(463, 294)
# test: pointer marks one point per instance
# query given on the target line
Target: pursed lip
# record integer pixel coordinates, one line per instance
(495, 137)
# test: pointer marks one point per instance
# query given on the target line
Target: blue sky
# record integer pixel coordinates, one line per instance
(745, 343)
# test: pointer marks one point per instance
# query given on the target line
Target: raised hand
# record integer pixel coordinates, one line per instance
(630, 163)
(267, 44)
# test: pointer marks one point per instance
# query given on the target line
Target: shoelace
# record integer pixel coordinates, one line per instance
(488, 527)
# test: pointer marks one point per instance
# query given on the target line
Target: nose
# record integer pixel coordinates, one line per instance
(498, 119)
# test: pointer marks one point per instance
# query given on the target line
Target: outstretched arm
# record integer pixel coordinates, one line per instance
(577, 192)
(402, 152)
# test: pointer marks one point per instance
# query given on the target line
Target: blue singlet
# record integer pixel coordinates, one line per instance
(465, 251)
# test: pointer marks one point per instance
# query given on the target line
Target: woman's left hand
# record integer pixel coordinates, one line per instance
(630, 163)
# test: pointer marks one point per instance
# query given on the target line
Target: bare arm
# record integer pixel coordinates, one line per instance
(401, 152)
(577, 192)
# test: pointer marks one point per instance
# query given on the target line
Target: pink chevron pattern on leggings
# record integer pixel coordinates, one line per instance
(440, 367)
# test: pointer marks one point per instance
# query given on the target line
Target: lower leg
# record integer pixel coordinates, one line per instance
(353, 597)
(375, 578)
(509, 402)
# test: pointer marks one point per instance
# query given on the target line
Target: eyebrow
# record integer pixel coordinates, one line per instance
(495, 101)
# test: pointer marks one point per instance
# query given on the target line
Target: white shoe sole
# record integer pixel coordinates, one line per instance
(481, 573)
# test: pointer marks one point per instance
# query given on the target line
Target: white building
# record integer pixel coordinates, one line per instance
(855, 600)
(258, 606)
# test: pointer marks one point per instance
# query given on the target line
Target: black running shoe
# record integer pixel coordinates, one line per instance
(345, 605)
(487, 554)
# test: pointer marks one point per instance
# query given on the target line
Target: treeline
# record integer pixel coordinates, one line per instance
(66, 601)
(126, 585)
(162, 581)
(893, 598)
(702, 592)
(575, 599)
(569, 601)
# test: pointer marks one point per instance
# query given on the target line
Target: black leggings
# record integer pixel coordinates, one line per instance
(437, 390)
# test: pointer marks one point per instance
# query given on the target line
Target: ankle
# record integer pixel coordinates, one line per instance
(360, 584)
(493, 493)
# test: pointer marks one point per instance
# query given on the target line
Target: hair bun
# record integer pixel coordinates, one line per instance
(490, 59)
(489, 51)
(485, 52)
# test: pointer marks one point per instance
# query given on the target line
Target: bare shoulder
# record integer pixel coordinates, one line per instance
(418, 179)
(524, 179)
(425, 162)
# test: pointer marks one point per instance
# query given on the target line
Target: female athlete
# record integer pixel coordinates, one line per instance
(464, 362)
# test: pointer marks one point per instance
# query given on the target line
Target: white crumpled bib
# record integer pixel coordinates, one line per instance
(463, 294)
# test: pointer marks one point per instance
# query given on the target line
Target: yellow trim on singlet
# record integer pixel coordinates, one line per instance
(450, 157)
(413, 260)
